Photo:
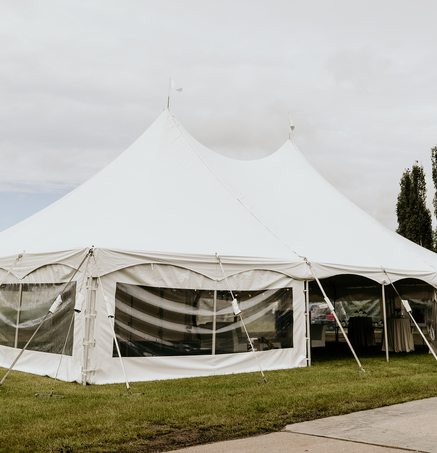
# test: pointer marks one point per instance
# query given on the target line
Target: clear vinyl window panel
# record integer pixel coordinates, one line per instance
(170, 322)
(268, 316)
(23, 307)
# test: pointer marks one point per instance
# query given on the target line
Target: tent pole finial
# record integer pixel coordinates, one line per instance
(292, 127)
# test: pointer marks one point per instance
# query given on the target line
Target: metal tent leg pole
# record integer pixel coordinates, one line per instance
(307, 321)
(421, 333)
(384, 314)
(25, 347)
(214, 323)
(51, 395)
(253, 349)
(20, 297)
(237, 311)
(63, 353)
(111, 321)
(331, 307)
(347, 339)
(90, 315)
(111, 318)
(406, 304)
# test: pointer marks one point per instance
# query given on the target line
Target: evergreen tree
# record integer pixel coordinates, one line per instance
(403, 204)
(434, 176)
(414, 218)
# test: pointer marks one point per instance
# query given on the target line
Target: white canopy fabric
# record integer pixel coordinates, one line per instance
(169, 199)
(316, 221)
(158, 196)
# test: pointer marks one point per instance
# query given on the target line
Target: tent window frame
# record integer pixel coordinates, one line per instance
(154, 325)
(54, 327)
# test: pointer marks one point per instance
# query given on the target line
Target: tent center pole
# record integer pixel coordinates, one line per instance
(214, 321)
(90, 314)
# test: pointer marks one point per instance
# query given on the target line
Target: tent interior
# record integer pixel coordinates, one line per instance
(358, 302)
(134, 273)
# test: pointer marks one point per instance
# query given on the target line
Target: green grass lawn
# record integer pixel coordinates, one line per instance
(177, 413)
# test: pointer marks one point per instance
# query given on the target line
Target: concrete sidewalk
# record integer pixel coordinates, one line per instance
(409, 427)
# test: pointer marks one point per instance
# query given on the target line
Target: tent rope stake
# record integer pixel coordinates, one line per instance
(331, 307)
(237, 311)
(90, 251)
(408, 309)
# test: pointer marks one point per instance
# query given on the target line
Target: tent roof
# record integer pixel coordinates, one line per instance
(156, 196)
(169, 194)
(293, 201)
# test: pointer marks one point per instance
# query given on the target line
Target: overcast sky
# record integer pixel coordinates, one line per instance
(81, 80)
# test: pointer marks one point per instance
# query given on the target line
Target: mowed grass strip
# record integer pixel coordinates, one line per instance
(176, 413)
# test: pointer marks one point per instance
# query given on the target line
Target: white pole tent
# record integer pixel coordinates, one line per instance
(148, 229)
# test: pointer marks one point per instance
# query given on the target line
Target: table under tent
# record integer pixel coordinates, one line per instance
(145, 259)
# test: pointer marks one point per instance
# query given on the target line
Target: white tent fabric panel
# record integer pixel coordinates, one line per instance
(152, 368)
(46, 364)
(43, 363)
(196, 273)
(100, 353)
(156, 368)
(29, 265)
(204, 265)
(319, 223)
